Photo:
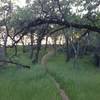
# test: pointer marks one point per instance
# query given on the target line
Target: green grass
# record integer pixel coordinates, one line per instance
(80, 82)
(17, 83)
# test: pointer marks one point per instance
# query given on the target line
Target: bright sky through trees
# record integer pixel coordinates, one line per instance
(21, 3)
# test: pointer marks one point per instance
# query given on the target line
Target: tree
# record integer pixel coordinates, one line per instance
(41, 14)
(6, 10)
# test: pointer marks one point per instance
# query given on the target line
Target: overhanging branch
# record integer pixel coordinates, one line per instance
(63, 23)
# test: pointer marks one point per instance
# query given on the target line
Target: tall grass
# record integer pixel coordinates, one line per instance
(79, 83)
(17, 83)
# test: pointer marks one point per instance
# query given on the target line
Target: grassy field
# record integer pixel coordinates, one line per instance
(18, 83)
(80, 83)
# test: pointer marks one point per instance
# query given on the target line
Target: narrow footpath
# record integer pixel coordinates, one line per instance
(61, 91)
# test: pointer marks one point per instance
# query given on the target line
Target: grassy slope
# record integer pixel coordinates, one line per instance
(26, 84)
(82, 83)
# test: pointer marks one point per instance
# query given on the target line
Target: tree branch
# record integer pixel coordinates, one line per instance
(63, 23)
(8, 61)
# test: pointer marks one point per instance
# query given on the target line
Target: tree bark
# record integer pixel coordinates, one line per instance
(15, 47)
(5, 40)
(67, 48)
(38, 50)
(55, 45)
(46, 44)
(32, 47)
(23, 45)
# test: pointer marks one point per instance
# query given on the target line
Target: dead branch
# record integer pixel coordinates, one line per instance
(12, 62)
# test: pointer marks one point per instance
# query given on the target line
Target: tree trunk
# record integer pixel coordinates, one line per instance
(46, 44)
(55, 45)
(32, 47)
(23, 45)
(15, 50)
(41, 34)
(67, 49)
(5, 45)
(5, 40)
(76, 53)
(38, 50)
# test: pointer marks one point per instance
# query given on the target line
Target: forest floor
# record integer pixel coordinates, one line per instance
(80, 82)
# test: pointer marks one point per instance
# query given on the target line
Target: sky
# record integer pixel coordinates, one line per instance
(21, 3)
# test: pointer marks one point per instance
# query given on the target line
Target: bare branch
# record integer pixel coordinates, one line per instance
(12, 62)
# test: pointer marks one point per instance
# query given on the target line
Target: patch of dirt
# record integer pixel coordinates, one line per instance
(61, 91)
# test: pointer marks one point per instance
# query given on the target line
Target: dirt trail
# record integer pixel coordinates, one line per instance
(44, 62)
(61, 91)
